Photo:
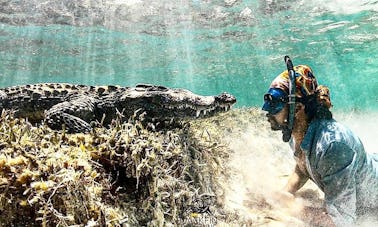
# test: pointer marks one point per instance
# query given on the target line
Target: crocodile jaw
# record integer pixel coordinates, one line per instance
(178, 103)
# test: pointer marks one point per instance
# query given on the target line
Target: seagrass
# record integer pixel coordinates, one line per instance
(124, 175)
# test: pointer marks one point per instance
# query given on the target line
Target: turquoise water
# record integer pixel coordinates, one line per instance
(206, 48)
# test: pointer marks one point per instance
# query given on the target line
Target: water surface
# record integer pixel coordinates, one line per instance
(207, 47)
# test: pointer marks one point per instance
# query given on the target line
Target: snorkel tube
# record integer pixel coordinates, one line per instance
(290, 118)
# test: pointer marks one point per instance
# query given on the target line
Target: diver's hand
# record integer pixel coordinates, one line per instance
(284, 198)
(295, 206)
(287, 201)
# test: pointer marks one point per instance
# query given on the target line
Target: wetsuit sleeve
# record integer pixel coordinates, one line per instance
(337, 168)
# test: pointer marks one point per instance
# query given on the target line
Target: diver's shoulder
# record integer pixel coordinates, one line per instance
(334, 131)
(330, 125)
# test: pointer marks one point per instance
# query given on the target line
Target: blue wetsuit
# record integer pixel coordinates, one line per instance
(337, 162)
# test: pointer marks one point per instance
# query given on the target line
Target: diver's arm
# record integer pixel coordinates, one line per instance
(286, 196)
(296, 180)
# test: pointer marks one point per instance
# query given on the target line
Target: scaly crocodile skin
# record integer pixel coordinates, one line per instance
(76, 106)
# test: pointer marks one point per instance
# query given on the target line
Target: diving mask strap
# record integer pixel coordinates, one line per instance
(290, 118)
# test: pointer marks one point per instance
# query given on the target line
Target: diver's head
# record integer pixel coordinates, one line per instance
(307, 95)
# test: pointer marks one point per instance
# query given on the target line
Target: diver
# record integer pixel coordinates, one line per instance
(326, 152)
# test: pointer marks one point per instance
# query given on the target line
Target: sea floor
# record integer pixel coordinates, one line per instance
(226, 170)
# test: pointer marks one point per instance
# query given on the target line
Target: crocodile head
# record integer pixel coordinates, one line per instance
(165, 103)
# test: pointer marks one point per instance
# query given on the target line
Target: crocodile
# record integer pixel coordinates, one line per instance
(76, 107)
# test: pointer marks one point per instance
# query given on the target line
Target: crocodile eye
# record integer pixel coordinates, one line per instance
(100, 90)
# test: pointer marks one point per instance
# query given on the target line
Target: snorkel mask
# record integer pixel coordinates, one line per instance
(274, 101)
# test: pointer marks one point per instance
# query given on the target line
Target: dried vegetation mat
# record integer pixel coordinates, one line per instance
(126, 175)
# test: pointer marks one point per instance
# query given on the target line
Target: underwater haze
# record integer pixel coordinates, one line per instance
(202, 45)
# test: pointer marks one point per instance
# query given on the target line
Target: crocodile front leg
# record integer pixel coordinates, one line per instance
(75, 114)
